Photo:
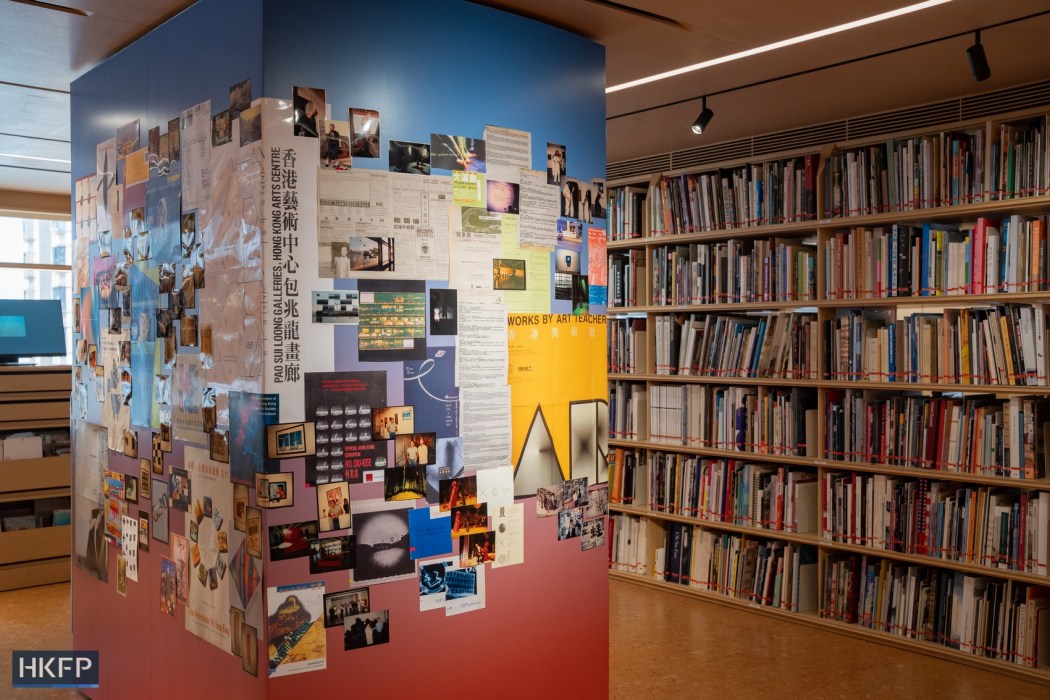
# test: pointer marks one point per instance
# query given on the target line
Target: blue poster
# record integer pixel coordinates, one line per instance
(430, 387)
(163, 208)
(249, 415)
(428, 537)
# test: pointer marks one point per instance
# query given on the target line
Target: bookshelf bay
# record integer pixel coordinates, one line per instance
(843, 419)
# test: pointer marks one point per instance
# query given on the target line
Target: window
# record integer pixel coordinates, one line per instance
(34, 264)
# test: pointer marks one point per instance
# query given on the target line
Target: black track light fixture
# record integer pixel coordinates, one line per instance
(978, 61)
(704, 118)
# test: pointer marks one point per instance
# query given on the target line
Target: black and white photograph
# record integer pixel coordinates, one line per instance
(340, 306)
(598, 502)
(382, 545)
(593, 534)
(240, 97)
(555, 163)
(570, 523)
(366, 629)
(574, 492)
(308, 111)
(337, 606)
(549, 500)
(443, 305)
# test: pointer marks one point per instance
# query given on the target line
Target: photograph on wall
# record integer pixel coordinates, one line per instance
(145, 480)
(388, 421)
(508, 274)
(160, 511)
(448, 152)
(128, 138)
(580, 295)
(599, 207)
(274, 490)
(208, 604)
(250, 125)
(430, 387)
(240, 97)
(382, 542)
(570, 231)
(355, 254)
(365, 123)
(340, 306)
(433, 585)
(502, 197)
(219, 446)
(555, 163)
(308, 105)
(442, 312)
(467, 520)
(449, 465)
(466, 589)
(337, 606)
(563, 286)
(340, 404)
(289, 440)
(566, 260)
(333, 506)
(295, 626)
(412, 449)
(409, 157)
(91, 456)
(461, 491)
(253, 540)
(570, 198)
(335, 145)
(180, 489)
(393, 323)
(167, 586)
(574, 492)
(366, 630)
(598, 502)
(549, 500)
(240, 507)
(250, 650)
(593, 534)
(570, 523)
(236, 623)
(221, 128)
(292, 540)
(245, 575)
(477, 549)
(250, 413)
(180, 554)
(405, 483)
(332, 554)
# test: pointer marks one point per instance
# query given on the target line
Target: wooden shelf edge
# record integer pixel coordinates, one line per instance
(807, 538)
(812, 619)
(35, 573)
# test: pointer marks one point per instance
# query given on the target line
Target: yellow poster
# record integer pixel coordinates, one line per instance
(559, 408)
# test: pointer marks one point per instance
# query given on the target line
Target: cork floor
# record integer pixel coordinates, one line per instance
(664, 645)
(661, 646)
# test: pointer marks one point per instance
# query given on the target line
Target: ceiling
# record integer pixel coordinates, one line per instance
(44, 50)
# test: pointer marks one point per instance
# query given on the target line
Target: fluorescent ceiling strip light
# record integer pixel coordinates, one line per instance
(49, 160)
(779, 44)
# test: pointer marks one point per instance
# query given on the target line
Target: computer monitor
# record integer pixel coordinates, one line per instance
(30, 328)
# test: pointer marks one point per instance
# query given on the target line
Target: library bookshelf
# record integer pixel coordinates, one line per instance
(830, 387)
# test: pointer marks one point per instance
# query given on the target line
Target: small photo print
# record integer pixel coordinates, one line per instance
(593, 534)
(457, 492)
(221, 128)
(180, 489)
(501, 197)
(457, 153)
(570, 231)
(443, 305)
(411, 449)
(405, 483)
(365, 124)
(477, 549)
(574, 492)
(598, 502)
(333, 506)
(508, 274)
(332, 554)
(555, 163)
(388, 421)
(549, 500)
(335, 145)
(563, 286)
(570, 523)
(308, 111)
(286, 440)
(292, 540)
(251, 125)
(409, 157)
(338, 606)
(240, 97)
(361, 254)
(274, 490)
(366, 630)
(467, 520)
(566, 260)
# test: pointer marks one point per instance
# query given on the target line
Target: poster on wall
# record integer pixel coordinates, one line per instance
(556, 366)
(298, 642)
(91, 548)
(340, 404)
(207, 523)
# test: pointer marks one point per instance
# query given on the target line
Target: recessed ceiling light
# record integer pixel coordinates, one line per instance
(49, 160)
(57, 8)
(779, 44)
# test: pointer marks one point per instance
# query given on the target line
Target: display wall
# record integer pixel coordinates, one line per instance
(339, 393)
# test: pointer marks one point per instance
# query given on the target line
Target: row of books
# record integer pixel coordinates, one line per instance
(628, 213)
(737, 270)
(758, 194)
(765, 573)
(905, 174)
(629, 544)
(628, 347)
(629, 477)
(979, 434)
(627, 281)
(1020, 162)
(990, 256)
(977, 615)
(1000, 528)
(783, 345)
(628, 411)
(1002, 345)
(751, 419)
(733, 491)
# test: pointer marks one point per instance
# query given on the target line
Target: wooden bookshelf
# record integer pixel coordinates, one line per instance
(31, 399)
(963, 185)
